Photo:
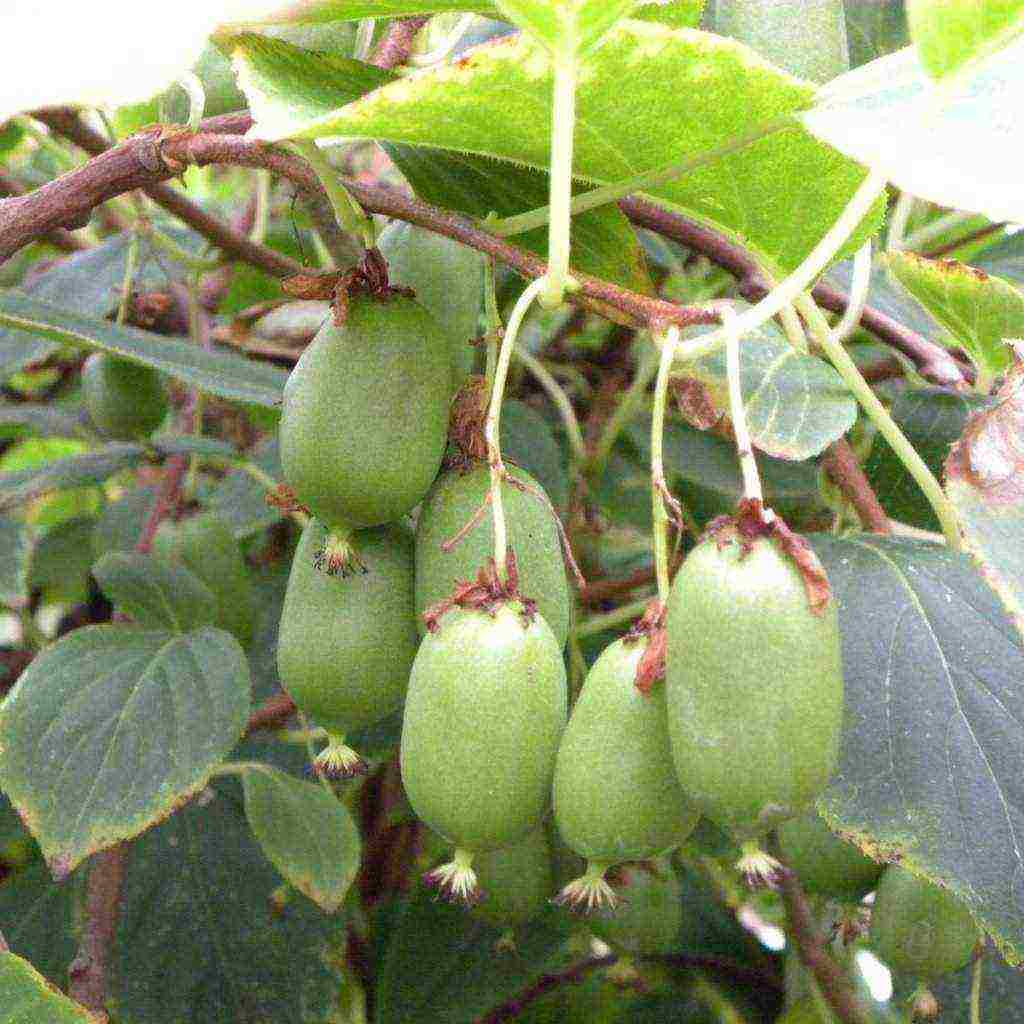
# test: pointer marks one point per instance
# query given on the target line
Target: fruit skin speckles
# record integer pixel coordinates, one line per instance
(754, 684)
(486, 708)
(365, 416)
(347, 643)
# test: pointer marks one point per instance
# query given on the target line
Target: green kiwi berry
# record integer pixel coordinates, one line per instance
(616, 795)
(919, 929)
(648, 917)
(533, 535)
(825, 864)
(515, 881)
(754, 684)
(126, 401)
(365, 415)
(205, 545)
(484, 714)
(346, 643)
(448, 279)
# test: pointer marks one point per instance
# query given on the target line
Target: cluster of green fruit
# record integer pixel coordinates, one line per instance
(741, 725)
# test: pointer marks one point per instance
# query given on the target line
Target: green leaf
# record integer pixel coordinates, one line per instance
(288, 86)
(195, 444)
(61, 560)
(807, 38)
(528, 441)
(200, 937)
(23, 485)
(26, 997)
(875, 29)
(113, 727)
(154, 594)
(1005, 259)
(16, 540)
(566, 27)
(930, 763)
(306, 833)
(932, 419)
(985, 481)
(442, 965)
(952, 150)
(796, 404)
(978, 311)
(120, 522)
(221, 373)
(43, 420)
(639, 108)
(674, 13)
(948, 35)
(39, 918)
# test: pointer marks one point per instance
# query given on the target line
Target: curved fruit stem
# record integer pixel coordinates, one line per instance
(338, 760)
(456, 881)
(563, 124)
(976, 973)
(559, 399)
(816, 260)
(492, 427)
(878, 415)
(659, 488)
(752, 490)
(589, 892)
(349, 214)
(537, 218)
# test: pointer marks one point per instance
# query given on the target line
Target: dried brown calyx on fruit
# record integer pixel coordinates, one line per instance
(650, 629)
(486, 593)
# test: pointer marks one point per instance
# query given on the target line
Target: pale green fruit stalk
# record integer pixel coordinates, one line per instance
(126, 401)
(205, 545)
(365, 415)
(451, 503)
(346, 643)
(918, 929)
(616, 794)
(754, 685)
(648, 920)
(448, 279)
(485, 711)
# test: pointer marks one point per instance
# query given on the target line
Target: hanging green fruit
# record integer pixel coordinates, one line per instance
(826, 864)
(515, 881)
(648, 920)
(126, 401)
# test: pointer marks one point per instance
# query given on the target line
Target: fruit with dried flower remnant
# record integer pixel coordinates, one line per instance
(485, 711)
(346, 643)
(616, 795)
(650, 914)
(515, 881)
(452, 502)
(919, 929)
(754, 681)
(365, 414)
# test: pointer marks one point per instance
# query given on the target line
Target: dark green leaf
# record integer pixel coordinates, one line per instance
(306, 833)
(199, 938)
(930, 764)
(222, 373)
(37, 917)
(528, 441)
(113, 727)
(932, 419)
(120, 522)
(193, 444)
(442, 964)
(16, 540)
(155, 594)
(23, 485)
(1005, 259)
(1002, 993)
(61, 560)
(241, 500)
(875, 29)
(26, 998)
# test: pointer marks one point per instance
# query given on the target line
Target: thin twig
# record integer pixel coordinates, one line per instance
(271, 714)
(932, 361)
(844, 471)
(513, 1007)
(233, 243)
(396, 45)
(810, 946)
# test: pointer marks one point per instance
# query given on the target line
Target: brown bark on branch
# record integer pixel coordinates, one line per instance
(271, 714)
(59, 238)
(397, 43)
(844, 470)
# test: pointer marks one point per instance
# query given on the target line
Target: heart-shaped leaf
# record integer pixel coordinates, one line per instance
(934, 728)
(113, 727)
(25, 995)
(306, 833)
(648, 98)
